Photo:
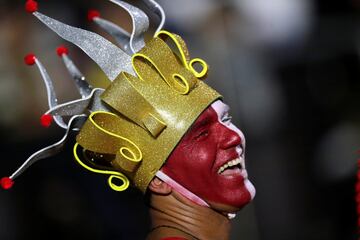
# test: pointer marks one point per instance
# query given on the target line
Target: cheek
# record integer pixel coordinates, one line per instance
(193, 160)
(205, 154)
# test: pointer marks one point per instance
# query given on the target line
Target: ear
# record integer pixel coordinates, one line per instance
(158, 186)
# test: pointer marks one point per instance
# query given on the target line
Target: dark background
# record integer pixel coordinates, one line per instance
(289, 69)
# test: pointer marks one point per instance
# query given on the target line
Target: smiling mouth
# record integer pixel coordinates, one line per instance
(233, 167)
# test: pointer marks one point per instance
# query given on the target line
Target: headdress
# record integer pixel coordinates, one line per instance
(128, 129)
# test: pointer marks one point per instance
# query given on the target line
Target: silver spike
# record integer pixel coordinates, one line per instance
(158, 10)
(76, 107)
(111, 59)
(52, 100)
(80, 81)
(140, 24)
(52, 149)
(121, 36)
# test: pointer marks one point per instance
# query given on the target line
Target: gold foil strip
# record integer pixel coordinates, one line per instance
(175, 74)
(176, 109)
(124, 98)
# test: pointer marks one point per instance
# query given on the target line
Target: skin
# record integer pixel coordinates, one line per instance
(211, 142)
(187, 220)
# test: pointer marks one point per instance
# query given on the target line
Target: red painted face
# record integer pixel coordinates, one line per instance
(209, 160)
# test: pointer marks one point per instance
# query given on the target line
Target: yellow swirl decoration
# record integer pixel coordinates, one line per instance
(125, 181)
(175, 80)
(203, 72)
(181, 76)
(181, 46)
(122, 96)
(97, 139)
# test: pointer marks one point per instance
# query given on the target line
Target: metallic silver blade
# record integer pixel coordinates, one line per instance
(111, 59)
(80, 106)
(80, 81)
(52, 100)
(121, 36)
(140, 24)
(75, 122)
(158, 10)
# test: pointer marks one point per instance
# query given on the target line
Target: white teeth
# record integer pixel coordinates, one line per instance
(231, 163)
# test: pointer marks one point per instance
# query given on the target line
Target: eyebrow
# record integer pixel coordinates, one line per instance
(200, 124)
(226, 109)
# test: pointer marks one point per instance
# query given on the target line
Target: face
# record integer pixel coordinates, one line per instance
(209, 161)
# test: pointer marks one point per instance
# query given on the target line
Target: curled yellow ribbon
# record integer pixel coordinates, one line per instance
(126, 99)
(125, 181)
(127, 158)
(181, 46)
(180, 76)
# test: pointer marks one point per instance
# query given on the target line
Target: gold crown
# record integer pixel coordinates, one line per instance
(129, 129)
(150, 113)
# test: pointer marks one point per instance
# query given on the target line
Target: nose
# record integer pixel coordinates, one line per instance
(229, 138)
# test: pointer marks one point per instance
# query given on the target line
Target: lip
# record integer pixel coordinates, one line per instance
(235, 179)
(234, 172)
(232, 156)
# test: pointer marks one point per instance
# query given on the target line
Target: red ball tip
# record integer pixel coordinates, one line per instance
(92, 14)
(31, 6)
(46, 120)
(30, 59)
(6, 183)
(62, 50)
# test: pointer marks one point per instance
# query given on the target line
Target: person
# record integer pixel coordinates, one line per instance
(156, 126)
(209, 163)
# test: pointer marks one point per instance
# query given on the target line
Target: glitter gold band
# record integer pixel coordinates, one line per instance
(151, 112)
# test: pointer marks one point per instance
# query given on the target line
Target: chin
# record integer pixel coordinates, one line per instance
(225, 208)
(233, 204)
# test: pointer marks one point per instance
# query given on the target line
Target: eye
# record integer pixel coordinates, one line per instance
(202, 134)
(226, 118)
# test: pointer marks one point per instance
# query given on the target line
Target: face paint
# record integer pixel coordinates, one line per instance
(209, 160)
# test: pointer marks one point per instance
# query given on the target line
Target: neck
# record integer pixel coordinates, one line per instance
(174, 215)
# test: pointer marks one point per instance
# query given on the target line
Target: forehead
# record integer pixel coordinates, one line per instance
(220, 107)
(215, 111)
